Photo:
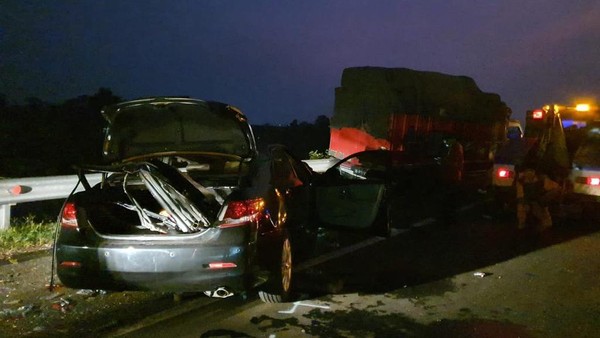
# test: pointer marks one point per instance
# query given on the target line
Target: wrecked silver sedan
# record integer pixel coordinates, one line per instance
(186, 204)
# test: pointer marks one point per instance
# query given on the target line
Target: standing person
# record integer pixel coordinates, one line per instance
(535, 191)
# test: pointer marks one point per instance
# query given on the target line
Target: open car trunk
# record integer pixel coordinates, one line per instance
(172, 195)
(175, 161)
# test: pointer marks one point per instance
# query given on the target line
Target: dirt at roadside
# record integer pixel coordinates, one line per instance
(29, 308)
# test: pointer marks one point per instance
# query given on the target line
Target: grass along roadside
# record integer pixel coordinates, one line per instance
(26, 234)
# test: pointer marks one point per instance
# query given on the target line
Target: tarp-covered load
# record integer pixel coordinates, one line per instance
(369, 95)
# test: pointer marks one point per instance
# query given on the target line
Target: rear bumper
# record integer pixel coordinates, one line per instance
(153, 267)
(580, 189)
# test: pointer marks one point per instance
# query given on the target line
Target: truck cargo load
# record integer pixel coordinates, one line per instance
(392, 108)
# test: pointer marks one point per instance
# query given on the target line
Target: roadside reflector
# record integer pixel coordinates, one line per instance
(19, 189)
(16, 190)
(221, 265)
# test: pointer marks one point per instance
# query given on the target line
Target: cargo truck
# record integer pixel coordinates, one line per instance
(401, 109)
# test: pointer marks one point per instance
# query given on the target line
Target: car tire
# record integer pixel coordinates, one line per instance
(278, 287)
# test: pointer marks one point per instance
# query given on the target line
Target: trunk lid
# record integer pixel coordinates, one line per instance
(171, 125)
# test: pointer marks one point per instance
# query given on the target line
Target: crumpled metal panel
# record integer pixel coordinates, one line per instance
(179, 212)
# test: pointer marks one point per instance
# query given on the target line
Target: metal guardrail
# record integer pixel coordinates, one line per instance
(34, 189)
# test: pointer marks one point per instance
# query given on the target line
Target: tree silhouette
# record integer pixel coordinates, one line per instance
(42, 139)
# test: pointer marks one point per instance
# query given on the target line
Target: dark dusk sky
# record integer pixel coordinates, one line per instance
(280, 60)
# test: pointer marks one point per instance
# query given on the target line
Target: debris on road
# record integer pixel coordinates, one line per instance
(90, 292)
(63, 305)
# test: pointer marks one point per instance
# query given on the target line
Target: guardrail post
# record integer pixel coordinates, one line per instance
(4, 216)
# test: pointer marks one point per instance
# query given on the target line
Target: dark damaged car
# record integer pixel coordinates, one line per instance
(187, 203)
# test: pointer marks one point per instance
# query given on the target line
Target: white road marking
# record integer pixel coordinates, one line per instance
(297, 304)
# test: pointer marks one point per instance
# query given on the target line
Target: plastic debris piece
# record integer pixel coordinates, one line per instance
(63, 305)
(11, 302)
(22, 312)
(8, 313)
(86, 292)
(25, 309)
(53, 287)
(480, 274)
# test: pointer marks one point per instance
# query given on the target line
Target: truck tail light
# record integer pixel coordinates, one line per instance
(240, 212)
(537, 114)
(68, 218)
(504, 173)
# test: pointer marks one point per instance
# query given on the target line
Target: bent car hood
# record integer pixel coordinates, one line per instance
(159, 125)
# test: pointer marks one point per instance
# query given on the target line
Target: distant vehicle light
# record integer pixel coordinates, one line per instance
(537, 114)
(504, 173)
(582, 107)
(593, 132)
(593, 181)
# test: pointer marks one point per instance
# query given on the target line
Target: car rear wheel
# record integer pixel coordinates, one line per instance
(277, 289)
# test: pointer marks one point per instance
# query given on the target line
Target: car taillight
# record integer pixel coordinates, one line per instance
(593, 181)
(504, 173)
(239, 212)
(69, 216)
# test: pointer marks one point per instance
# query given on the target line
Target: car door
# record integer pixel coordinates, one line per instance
(292, 185)
(350, 194)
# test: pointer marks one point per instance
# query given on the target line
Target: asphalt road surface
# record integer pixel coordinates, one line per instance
(479, 277)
